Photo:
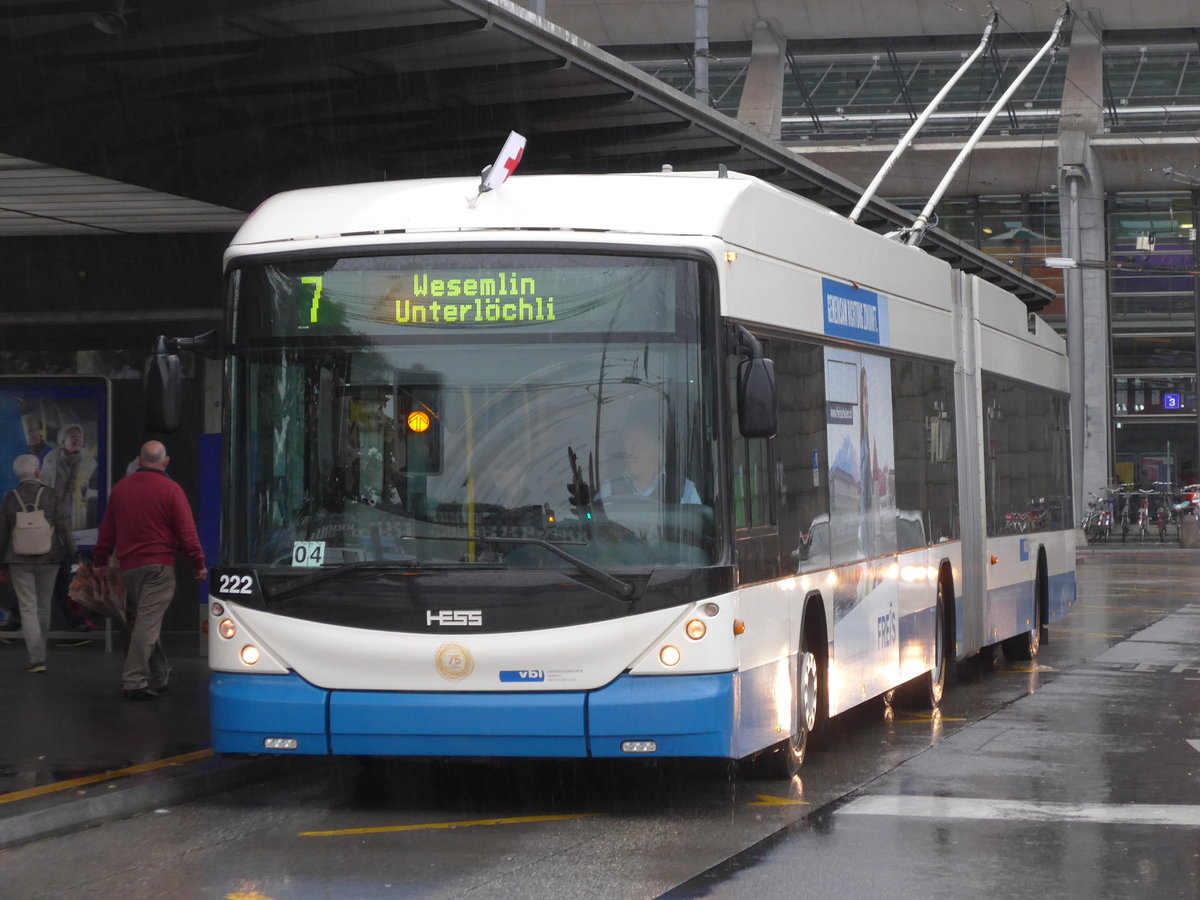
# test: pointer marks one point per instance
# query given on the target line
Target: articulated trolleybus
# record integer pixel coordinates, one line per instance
(659, 465)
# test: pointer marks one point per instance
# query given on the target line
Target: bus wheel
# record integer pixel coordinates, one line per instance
(808, 687)
(785, 759)
(925, 691)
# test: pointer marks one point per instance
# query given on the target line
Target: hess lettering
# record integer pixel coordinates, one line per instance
(460, 618)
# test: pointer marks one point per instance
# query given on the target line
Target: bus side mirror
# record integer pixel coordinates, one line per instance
(758, 398)
(161, 384)
(162, 377)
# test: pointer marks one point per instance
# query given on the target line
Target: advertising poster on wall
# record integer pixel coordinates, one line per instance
(1158, 467)
(64, 421)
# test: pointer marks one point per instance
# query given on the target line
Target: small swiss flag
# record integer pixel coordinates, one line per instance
(506, 163)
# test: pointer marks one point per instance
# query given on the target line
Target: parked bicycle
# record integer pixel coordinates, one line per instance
(1097, 524)
(1125, 515)
(1164, 514)
(1143, 515)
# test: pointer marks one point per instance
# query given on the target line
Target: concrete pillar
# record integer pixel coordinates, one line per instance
(761, 107)
(1081, 210)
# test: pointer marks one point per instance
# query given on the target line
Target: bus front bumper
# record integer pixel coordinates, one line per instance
(662, 716)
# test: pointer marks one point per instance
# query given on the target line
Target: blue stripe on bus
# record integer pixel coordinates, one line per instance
(918, 634)
(1011, 607)
(244, 709)
(1062, 594)
(441, 724)
(686, 715)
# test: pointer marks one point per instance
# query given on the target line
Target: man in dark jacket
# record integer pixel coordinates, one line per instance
(33, 576)
(147, 522)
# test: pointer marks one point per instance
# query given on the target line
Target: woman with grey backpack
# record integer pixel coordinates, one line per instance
(35, 539)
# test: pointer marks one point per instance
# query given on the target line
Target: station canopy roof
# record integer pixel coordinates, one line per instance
(147, 117)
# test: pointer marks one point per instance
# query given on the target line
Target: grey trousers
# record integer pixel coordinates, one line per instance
(34, 586)
(149, 590)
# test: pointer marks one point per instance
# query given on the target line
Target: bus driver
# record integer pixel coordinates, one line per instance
(644, 474)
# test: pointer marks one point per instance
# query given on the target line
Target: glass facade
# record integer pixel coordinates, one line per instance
(877, 94)
(1152, 297)
(1020, 231)
(1155, 88)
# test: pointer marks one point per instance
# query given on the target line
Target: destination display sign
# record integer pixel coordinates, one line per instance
(393, 295)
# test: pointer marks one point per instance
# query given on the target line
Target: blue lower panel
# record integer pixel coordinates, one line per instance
(1010, 610)
(918, 635)
(500, 724)
(1062, 594)
(690, 715)
(687, 715)
(244, 709)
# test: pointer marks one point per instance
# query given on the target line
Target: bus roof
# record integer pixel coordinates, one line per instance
(658, 203)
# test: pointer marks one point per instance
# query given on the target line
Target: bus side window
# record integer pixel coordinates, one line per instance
(802, 454)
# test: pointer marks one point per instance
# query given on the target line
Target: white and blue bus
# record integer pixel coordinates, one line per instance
(657, 465)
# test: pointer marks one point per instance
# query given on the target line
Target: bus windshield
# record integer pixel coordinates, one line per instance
(453, 409)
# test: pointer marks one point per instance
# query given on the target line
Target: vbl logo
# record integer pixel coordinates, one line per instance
(523, 675)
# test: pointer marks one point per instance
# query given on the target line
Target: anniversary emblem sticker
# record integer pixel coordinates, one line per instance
(453, 661)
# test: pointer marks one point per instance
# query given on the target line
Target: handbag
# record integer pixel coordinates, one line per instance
(103, 593)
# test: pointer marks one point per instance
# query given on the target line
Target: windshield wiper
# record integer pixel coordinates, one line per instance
(325, 574)
(610, 585)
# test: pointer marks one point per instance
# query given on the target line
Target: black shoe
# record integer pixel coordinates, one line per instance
(141, 694)
(161, 688)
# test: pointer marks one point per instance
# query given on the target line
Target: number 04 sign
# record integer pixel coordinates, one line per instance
(308, 553)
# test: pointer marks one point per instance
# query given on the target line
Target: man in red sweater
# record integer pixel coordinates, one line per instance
(147, 522)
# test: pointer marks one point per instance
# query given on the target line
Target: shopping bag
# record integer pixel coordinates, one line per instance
(101, 592)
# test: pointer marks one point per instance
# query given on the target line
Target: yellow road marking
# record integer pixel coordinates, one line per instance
(104, 776)
(768, 800)
(1074, 633)
(925, 717)
(254, 895)
(384, 829)
(1096, 609)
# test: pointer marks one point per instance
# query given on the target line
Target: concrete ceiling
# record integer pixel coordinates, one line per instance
(617, 22)
(37, 199)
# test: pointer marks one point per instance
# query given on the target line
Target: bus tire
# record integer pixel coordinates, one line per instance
(926, 690)
(1025, 646)
(811, 692)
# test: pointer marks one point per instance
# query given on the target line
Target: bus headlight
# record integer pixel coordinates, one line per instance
(695, 629)
(249, 654)
(227, 629)
(669, 655)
